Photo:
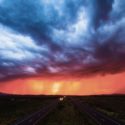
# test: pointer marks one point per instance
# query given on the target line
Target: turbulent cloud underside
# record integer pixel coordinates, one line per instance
(61, 37)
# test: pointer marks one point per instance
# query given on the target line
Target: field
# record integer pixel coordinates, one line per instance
(113, 105)
(14, 108)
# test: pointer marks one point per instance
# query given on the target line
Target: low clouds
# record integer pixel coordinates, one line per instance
(64, 38)
(15, 46)
(16, 51)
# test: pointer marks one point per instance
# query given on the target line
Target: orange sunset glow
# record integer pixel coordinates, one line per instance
(108, 84)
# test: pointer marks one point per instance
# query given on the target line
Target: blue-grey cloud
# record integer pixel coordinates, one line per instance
(60, 37)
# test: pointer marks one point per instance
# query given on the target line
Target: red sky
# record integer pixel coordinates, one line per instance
(85, 86)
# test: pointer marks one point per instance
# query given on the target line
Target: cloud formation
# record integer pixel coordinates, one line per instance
(61, 38)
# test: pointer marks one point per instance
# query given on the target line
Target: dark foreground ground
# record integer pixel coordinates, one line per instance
(15, 108)
(112, 105)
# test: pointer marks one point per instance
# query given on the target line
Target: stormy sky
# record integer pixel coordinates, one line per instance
(75, 38)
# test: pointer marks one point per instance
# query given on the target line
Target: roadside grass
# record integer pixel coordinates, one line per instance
(14, 109)
(111, 105)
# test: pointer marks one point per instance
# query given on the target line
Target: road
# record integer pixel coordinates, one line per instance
(98, 117)
(34, 118)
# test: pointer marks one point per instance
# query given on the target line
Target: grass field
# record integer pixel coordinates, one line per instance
(14, 108)
(113, 105)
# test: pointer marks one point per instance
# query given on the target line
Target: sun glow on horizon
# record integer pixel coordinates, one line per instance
(108, 84)
(56, 88)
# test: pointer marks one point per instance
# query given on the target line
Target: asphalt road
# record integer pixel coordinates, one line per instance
(98, 117)
(34, 118)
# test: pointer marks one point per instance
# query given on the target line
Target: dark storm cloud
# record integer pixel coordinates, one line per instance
(102, 10)
(36, 17)
(52, 37)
